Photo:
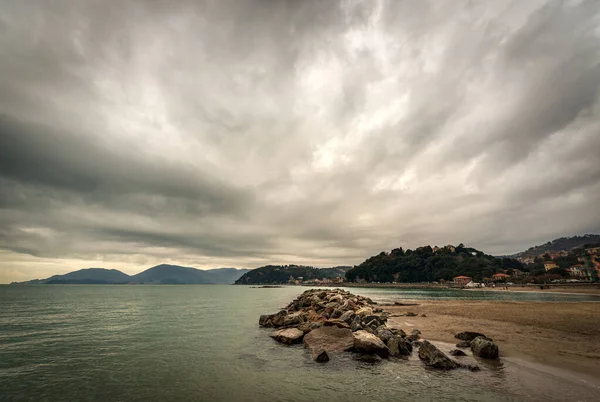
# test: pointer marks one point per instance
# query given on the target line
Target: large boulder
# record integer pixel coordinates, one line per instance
(399, 346)
(288, 336)
(484, 347)
(434, 357)
(365, 342)
(330, 339)
(272, 320)
(468, 336)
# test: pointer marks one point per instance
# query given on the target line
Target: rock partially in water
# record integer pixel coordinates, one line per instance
(369, 358)
(399, 346)
(484, 347)
(434, 357)
(468, 336)
(365, 342)
(320, 355)
(330, 339)
(288, 336)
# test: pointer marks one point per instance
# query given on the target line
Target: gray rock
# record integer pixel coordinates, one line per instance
(468, 336)
(434, 357)
(384, 334)
(265, 320)
(398, 346)
(471, 367)
(348, 316)
(365, 342)
(463, 344)
(288, 336)
(368, 358)
(457, 352)
(484, 347)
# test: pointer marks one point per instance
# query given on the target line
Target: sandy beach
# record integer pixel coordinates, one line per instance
(565, 335)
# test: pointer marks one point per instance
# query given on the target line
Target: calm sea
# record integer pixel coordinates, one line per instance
(203, 343)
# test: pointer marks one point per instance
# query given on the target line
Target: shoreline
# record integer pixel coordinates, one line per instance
(592, 289)
(559, 335)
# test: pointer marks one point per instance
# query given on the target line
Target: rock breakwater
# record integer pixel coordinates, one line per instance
(335, 320)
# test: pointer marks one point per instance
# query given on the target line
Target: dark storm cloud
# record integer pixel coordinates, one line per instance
(247, 132)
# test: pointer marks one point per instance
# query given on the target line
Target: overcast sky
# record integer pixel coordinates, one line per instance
(242, 133)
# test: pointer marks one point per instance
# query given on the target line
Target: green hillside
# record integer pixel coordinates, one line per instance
(426, 264)
(278, 274)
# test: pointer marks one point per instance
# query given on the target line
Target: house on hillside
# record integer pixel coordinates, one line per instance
(575, 271)
(462, 280)
(500, 277)
(550, 265)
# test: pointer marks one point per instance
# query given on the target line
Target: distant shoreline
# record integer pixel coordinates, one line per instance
(574, 288)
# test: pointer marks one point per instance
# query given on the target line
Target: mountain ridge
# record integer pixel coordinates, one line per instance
(159, 274)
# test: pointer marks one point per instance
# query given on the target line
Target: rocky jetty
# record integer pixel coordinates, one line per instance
(337, 321)
(334, 320)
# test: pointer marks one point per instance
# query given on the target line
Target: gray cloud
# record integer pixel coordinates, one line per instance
(237, 133)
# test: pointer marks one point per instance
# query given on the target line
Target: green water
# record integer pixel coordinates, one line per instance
(202, 343)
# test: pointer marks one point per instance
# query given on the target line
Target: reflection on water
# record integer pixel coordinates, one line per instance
(134, 343)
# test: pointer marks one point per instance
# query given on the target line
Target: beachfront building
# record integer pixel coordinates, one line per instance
(550, 265)
(500, 277)
(462, 280)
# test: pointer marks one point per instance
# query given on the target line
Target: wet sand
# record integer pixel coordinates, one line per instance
(565, 335)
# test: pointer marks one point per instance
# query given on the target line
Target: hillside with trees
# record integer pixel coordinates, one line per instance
(560, 244)
(279, 274)
(426, 264)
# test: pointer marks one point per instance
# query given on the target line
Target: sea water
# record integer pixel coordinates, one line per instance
(203, 343)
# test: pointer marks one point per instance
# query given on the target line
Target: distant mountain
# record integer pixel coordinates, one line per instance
(160, 274)
(562, 243)
(89, 275)
(278, 274)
